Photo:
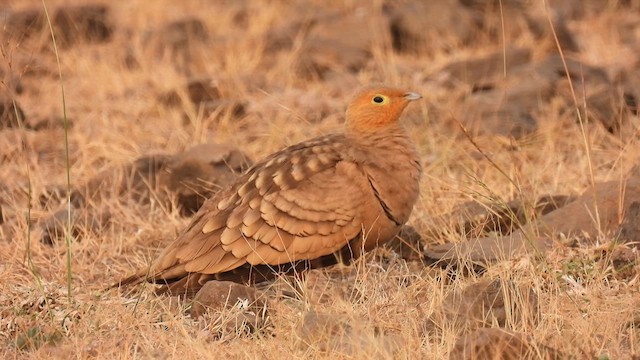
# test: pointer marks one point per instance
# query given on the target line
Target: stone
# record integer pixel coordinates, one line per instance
(486, 303)
(11, 114)
(629, 230)
(333, 334)
(575, 219)
(219, 296)
(23, 24)
(191, 176)
(202, 89)
(489, 68)
(327, 49)
(181, 42)
(430, 26)
(474, 219)
(199, 172)
(408, 244)
(496, 344)
(84, 23)
(54, 228)
(231, 309)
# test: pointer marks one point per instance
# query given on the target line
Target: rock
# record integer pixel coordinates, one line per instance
(202, 90)
(507, 21)
(474, 219)
(11, 115)
(132, 180)
(625, 260)
(326, 48)
(499, 105)
(205, 94)
(574, 219)
(486, 303)
(235, 108)
(54, 227)
(84, 23)
(231, 308)
(178, 42)
(597, 100)
(48, 123)
(495, 344)
(605, 199)
(223, 295)
(592, 88)
(23, 24)
(431, 26)
(629, 230)
(199, 172)
(317, 287)
(510, 105)
(408, 244)
(192, 176)
(332, 333)
(497, 112)
(476, 72)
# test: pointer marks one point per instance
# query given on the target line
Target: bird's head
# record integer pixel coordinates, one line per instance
(377, 108)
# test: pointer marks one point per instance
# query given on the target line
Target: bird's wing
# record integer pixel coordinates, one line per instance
(301, 203)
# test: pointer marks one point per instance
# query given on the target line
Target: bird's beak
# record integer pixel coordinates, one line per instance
(410, 96)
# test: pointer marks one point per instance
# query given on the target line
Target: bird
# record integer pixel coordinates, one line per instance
(313, 204)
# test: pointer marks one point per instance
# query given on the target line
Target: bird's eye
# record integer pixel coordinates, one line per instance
(379, 100)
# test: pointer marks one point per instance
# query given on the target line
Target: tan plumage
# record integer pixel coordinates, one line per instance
(305, 206)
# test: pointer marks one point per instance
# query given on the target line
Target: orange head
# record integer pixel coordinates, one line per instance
(377, 108)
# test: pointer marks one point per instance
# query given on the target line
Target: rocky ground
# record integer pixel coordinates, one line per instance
(524, 243)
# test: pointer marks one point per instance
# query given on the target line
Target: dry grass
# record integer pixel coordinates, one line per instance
(586, 307)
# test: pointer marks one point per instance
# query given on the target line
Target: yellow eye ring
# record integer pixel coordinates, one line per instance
(379, 99)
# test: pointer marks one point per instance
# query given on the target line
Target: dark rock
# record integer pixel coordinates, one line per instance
(55, 227)
(23, 24)
(474, 219)
(170, 99)
(85, 23)
(334, 334)
(510, 105)
(575, 219)
(508, 111)
(487, 303)
(498, 344)
(233, 107)
(181, 32)
(199, 172)
(595, 100)
(223, 295)
(490, 68)
(231, 308)
(429, 26)
(408, 244)
(629, 230)
(52, 195)
(11, 115)
(178, 42)
(625, 260)
(48, 123)
(326, 48)
(202, 90)
(190, 177)
(133, 180)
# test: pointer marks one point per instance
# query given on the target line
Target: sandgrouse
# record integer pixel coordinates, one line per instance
(312, 204)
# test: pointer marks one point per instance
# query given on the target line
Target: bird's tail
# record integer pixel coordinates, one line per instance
(135, 279)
